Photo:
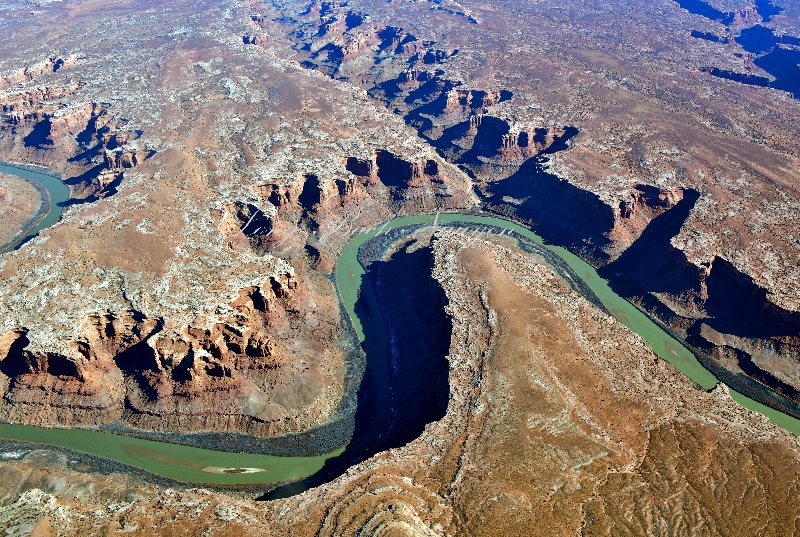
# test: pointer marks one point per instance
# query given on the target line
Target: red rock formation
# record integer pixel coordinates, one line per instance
(202, 379)
(110, 334)
(119, 159)
(21, 104)
(746, 17)
(651, 200)
(362, 168)
(29, 73)
(45, 388)
(414, 77)
(358, 44)
(410, 45)
(65, 126)
(255, 40)
(467, 101)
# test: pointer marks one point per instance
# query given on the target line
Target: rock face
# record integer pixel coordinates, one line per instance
(126, 370)
(621, 188)
(31, 72)
(559, 419)
(51, 123)
(192, 271)
(222, 155)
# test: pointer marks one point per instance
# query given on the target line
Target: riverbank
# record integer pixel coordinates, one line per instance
(350, 280)
(54, 194)
(41, 198)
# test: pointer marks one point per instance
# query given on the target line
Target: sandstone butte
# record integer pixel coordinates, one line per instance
(220, 155)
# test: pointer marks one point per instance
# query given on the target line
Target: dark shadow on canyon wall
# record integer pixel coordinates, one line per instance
(729, 302)
(487, 143)
(769, 48)
(393, 171)
(733, 303)
(698, 7)
(560, 143)
(419, 340)
(39, 135)
(406, 384)
(651, 263)
(736, 305)
(558, 211)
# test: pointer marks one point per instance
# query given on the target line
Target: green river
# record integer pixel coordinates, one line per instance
(57, 191)
(194, 465)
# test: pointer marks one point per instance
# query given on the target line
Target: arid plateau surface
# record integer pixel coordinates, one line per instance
(227, 279)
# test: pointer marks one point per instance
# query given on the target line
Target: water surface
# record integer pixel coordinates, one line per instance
(58, 195)
(196, 465)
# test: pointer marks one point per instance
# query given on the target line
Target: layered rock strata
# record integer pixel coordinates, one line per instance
(636, 153)
(186, 292)
(559, 419)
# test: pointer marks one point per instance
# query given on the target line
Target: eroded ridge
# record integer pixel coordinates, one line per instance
(636, 201)
(557, 413)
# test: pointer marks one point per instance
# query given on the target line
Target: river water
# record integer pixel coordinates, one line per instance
(195, 465)
(58, 193)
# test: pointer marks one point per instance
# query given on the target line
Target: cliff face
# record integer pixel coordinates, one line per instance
(558, 419)
(237, 375)
(652, 187)
(222, 155)
(187, 288)
(556, 411)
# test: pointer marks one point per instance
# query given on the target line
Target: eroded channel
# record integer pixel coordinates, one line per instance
(405, 383)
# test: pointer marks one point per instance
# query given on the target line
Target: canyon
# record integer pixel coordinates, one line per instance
(223, 155)
(623, 440)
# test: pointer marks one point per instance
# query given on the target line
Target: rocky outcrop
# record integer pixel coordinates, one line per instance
(120, 158)
(78, 132)
(391, 170)
(520, 145)
(316, 211)
(45, 388)
(255, 40)
(469, 101)
(635, 213)
(27, 74)
(248, 227)
(109, 335)
(232, 376)
(236, 374)
(26, 105)
(745, 17)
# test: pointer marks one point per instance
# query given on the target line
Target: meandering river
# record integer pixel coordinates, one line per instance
(195, 465)
(57, 194)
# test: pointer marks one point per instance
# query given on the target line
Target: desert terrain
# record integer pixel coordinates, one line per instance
(558, 418)
(220, 157)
